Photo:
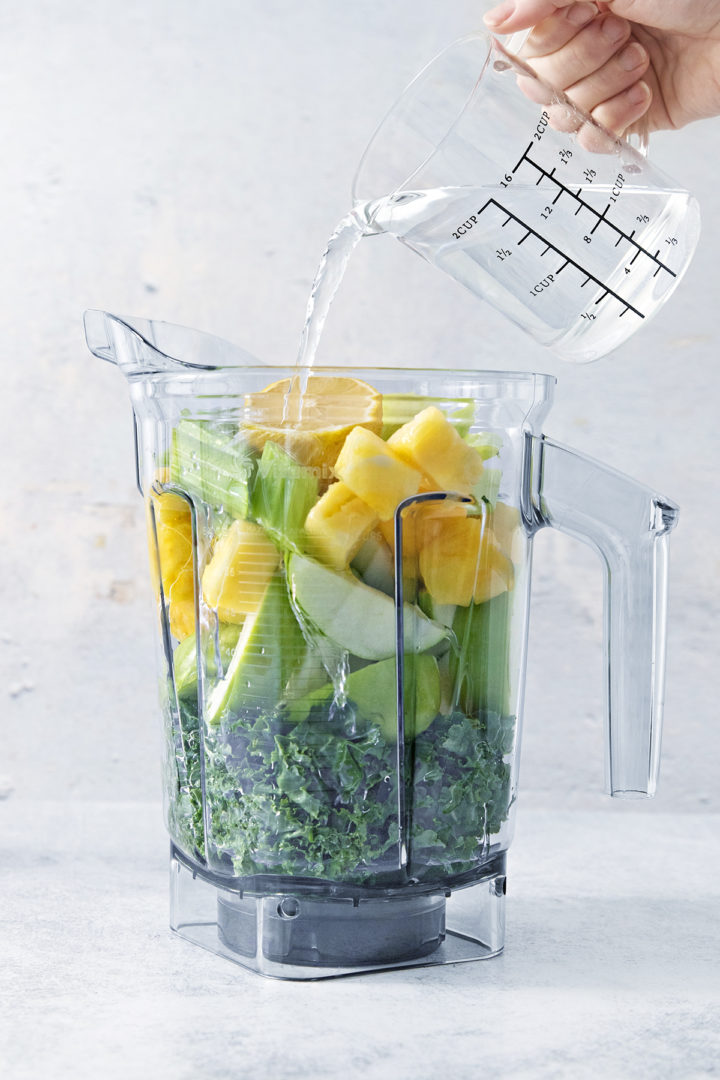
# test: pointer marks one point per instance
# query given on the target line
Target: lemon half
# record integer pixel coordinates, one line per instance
(311, 417)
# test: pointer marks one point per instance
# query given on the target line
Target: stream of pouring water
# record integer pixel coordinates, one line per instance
(340, 246)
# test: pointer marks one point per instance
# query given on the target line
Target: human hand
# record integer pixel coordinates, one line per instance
(660, 69)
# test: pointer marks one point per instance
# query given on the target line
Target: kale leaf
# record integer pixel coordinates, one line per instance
(319, 798)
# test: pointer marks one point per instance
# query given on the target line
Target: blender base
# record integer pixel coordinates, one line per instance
(287, 936)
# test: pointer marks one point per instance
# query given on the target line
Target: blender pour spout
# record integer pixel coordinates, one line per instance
(143, 347)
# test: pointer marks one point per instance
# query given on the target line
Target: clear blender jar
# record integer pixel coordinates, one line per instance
(341, 570)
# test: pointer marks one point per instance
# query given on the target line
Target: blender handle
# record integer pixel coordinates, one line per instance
(628, 525)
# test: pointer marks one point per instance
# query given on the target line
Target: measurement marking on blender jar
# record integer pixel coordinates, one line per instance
(585, 205)
(529, 231)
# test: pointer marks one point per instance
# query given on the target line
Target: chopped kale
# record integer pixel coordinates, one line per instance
(319, 798)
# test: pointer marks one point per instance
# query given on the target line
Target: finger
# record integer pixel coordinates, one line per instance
(541, 93)
(680, 16)
(617, 75)
(565, 117)
(619, 113)
(552, 33)
(596, 139)
(614, 117)
(588, 51)
(512, 15)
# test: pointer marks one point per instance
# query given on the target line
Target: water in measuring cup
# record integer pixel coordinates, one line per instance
(579, 269)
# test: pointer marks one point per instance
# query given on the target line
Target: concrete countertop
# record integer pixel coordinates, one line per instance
(611, 968)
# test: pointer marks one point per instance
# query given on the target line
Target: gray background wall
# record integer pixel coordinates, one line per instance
(187, 161)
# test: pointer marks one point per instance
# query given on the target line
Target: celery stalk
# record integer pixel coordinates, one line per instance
(212, 467)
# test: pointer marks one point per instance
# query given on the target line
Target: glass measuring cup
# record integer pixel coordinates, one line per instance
(496, 178)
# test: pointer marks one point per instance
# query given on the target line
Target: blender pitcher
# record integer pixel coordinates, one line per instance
(341, 569)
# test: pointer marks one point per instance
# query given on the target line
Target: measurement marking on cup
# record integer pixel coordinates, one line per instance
(600, 216)
(509, 216)
(600, 219)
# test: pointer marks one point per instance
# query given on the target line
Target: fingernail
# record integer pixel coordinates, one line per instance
(580, 14)
(613, 29)
(637, 94)
(632, 57)
(500, 13)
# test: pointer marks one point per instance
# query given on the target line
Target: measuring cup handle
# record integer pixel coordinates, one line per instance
(515, 42)
(638, 138)
(628, 525)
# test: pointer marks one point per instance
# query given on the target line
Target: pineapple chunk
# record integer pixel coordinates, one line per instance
(462, 563)
(337, 526)
(374, 473)
(181, 615)
(387, 531)
(422, 521)
(506, 525)
(173, 527)
(429, 442)
(236, 577)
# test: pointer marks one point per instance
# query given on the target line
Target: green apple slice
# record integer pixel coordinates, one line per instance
(373, 691)
(355, 616)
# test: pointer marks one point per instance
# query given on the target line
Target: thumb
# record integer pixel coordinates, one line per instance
(512, 15)
(682, 16)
